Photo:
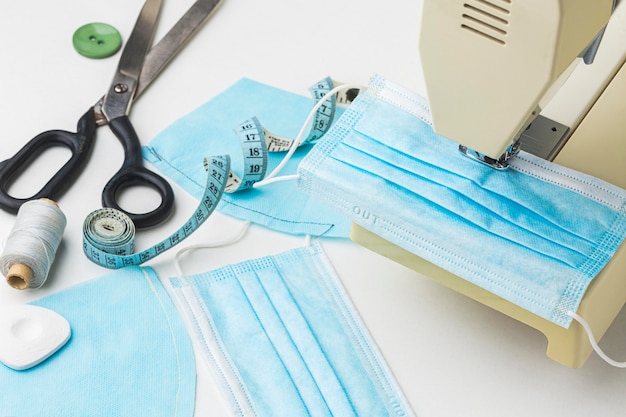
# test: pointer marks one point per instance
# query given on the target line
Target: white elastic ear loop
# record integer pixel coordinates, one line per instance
(593, 342)
(298, 140)
(224, 242)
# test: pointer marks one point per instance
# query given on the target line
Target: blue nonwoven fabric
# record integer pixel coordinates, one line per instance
(535, 234)
(129, 355)
(283, 338)
(209, 130)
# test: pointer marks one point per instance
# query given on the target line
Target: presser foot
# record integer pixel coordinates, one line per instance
(500, 163)
(544, 138)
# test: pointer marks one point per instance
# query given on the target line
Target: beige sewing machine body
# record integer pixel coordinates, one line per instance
(491, 67)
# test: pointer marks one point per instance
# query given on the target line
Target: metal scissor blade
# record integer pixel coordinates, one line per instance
(125, 82)
(163, 52)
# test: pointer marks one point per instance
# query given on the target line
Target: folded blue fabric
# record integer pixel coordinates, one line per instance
(283, 338)
(208, 130)
(535, 234)
(129, 355)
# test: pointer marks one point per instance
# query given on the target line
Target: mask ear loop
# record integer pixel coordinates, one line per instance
(272, 176)
(593, 341)
(228, 241)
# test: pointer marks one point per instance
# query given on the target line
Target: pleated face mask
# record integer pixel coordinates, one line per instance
(209, 130)
(535, 234)
(129, 355)
(283, 339)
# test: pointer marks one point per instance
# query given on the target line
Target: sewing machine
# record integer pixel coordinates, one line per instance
(495, 71)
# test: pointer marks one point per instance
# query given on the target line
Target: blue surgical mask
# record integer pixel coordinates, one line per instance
(129, 355)
(535, 234)
(283, 339)
(179, 149)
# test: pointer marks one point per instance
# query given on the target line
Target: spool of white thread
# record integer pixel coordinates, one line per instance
(32, 245)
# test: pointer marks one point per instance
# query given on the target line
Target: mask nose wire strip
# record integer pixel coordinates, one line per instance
(225, 242)
(593, 341)
(271, 177)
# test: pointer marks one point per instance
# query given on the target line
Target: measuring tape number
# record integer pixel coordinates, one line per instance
(254, 147)
(256, 141)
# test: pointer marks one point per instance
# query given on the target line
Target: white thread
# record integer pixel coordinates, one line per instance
(298, 140)
(228, 241)
(33, 243)
(593, 342)
(277, 179)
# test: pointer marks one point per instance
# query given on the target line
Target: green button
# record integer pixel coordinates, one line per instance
(97, 40)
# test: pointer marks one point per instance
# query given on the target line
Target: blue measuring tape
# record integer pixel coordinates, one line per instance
(109, 234)
(254, 147)
(321, 121)
(256, 141)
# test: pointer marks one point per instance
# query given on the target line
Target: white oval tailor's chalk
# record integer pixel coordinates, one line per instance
(30, 334)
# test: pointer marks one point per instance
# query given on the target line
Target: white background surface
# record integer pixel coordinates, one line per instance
(452, 356)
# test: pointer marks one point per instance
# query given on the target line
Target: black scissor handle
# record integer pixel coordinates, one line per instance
(134, 173)
(79, 143)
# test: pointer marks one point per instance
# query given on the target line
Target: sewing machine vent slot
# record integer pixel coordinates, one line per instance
(487, 18)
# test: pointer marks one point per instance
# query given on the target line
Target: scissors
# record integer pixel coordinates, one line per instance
(138, 67)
